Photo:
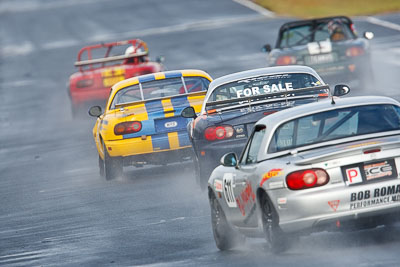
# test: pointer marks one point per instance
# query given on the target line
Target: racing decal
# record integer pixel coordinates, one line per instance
(319, 47)
(112, 76)
(378, 196)
(282, 200)
(353, 175)
(274, 185)
(228, 190)
(334, 204)
(270, 174)
(218, 185)
(378, 170)
(274, 106)
(246, 199)
(266, 89)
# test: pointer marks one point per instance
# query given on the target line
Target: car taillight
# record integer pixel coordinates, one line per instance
(354, 51)
(218, 132)
(84, 83)
(307, 179)
(286, 60)
(127, 127)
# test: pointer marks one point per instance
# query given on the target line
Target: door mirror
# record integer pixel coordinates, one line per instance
(229, 160)
(368, 35)
(266, 48)
(188, 112)
(95, 111)
(341, 90)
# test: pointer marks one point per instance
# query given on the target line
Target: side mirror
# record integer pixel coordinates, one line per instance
(95, 111)
(188, 112)
(341, 90)
(229, 160)
(160, 59)
(266, 48)
(368, 35)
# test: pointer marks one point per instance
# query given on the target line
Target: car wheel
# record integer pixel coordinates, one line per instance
(225, 237)
(112, 166)
(276, 239)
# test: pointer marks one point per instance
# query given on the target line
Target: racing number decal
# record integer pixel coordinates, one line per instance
(112, 76)
(228, 190)
(319, 47)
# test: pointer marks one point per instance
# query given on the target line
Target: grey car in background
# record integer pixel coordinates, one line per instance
(329, 45)
(328, 165)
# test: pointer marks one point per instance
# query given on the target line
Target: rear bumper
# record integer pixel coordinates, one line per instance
(345, 220)
(143, 147)
(84, 97)
(160, 158)
(333, 208)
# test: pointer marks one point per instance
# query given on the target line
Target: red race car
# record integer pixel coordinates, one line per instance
(99, 69)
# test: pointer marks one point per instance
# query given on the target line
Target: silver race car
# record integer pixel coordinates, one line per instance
(328, 165)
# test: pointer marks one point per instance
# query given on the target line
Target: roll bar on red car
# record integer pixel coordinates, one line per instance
(139, 49)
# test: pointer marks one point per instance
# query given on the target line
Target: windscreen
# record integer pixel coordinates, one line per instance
(263, 85)
(159, 89)
(335, 124)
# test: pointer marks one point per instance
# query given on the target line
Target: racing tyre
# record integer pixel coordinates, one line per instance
(277, 241)
(225, 237)
(112, 166)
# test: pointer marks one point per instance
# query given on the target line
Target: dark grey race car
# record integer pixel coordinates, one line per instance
(330, 46)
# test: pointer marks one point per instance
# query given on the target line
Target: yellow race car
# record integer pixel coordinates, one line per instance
(141, 123)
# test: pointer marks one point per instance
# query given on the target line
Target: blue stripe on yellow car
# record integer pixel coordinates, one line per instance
(183, 138)
(154, 109)
(147, 78)
(179, 103)
(173, 74)
(160, 142)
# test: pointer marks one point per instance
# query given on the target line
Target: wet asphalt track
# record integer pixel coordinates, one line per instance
(54, 208)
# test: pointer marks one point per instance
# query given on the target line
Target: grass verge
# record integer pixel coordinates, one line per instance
(322, 8)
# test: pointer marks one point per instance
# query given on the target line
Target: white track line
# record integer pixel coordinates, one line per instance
(383, 23)
(263, 11)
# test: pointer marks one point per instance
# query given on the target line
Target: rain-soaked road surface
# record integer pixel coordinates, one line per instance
(56, 211)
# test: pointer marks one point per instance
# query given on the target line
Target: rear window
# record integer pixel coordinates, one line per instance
(159, 89)
(335, 124)
(334, 30)
(263, 85)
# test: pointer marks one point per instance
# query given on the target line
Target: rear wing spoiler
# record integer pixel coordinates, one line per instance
(348, 152)
(108, 59)
(139, 49)
(323, 90)
(122, 105)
